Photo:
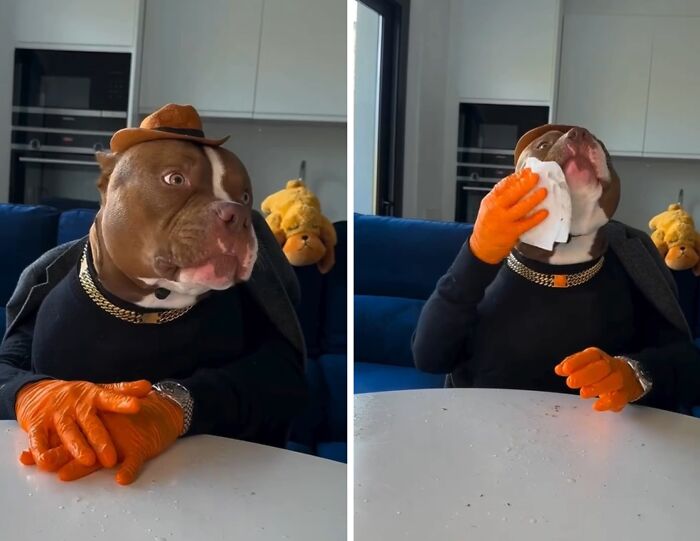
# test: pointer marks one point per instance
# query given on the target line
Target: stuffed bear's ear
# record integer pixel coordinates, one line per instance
(107, 161)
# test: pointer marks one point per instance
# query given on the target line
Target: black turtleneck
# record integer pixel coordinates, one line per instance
(218, 350)
(487, 326)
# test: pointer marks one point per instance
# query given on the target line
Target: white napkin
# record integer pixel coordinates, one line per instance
(555, 228)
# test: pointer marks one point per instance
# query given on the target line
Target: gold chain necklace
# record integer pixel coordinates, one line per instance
(130, 316)
(554, 280)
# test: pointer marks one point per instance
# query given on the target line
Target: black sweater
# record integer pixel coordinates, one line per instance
(487, 326)
(239, 368)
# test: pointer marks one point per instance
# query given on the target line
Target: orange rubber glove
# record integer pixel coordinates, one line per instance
(503, 216)
(138, 438)
(596, 373)
(67, 410)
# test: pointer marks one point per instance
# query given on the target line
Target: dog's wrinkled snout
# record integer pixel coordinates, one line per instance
(231, 214)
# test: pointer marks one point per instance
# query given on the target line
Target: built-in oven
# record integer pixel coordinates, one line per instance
(65, 106)
(486, 139)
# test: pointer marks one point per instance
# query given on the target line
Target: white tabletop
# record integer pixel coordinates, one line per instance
(204, 487)
(499, 465)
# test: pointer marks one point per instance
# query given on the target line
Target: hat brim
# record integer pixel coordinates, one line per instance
(530, 136)
(128, 137)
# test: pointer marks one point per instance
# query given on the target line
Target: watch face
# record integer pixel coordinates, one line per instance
(175, 389)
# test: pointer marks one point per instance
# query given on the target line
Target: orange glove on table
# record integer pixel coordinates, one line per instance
(67, 410)
(596, 373)
(503, 216)
(137, 438)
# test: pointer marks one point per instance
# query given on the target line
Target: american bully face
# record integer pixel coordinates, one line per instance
(593, 183)
(177, 215)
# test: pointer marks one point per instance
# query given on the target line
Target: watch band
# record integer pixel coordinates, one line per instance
(179, 394)
(644, 380)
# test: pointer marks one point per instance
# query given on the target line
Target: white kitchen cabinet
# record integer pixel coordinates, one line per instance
(673, 116)
(303, 58)
(77, 22)
(203, 54)
(507, 49)
(604, 77)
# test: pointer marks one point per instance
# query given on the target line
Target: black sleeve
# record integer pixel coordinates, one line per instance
(255, 396)
(15, 367)
(446, 322)
(669, 357)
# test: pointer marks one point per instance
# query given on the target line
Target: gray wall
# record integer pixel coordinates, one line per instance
(650, 185)
(272, 151)
(428, 99)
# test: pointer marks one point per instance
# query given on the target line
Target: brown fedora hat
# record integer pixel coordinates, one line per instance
(534, 133)
(171, 121)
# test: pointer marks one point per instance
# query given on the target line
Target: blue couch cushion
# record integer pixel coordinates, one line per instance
(397, 257)
(299, 447)
(333, 450)
(334, 368)
(335, 297)
(309, 309)
(384, 327)
(374, 378)
(26, 232)
(74, 224)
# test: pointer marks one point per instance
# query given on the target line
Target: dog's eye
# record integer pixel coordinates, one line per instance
(543, 144)
(174, 179)
(245, 198)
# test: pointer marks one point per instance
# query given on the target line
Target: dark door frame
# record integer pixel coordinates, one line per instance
(392, 104)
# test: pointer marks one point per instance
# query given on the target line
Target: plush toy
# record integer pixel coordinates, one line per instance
(307, 237)
(673, 233)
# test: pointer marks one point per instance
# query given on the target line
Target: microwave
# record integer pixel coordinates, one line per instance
(65, 106)
(86, 81)
(487, 137)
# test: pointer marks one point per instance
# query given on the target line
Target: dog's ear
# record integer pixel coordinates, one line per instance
(107, 162)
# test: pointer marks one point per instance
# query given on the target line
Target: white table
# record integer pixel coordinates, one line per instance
(521, 465)
(203, 488)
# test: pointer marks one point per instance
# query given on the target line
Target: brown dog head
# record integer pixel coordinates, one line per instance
(592, 181)
(174, 215)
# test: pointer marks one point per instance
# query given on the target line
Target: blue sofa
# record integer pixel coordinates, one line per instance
(397, 264)
(26, 232)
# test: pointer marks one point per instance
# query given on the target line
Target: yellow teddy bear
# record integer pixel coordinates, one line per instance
(673, 233)
(306, 235)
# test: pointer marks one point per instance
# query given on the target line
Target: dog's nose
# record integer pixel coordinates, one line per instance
(304, 237)
(231, 213)
(577, 134)
(682, 248)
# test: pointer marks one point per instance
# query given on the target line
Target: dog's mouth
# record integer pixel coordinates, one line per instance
(217, 266)
(579, 170)
(584, 165)
(217, 272)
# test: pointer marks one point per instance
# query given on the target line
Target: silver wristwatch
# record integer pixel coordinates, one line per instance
(642, 376)
(181, 396)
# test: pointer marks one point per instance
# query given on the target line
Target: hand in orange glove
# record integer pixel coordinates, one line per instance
(138, 437)
(596, 373)
(67, 410)
(503, 216)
